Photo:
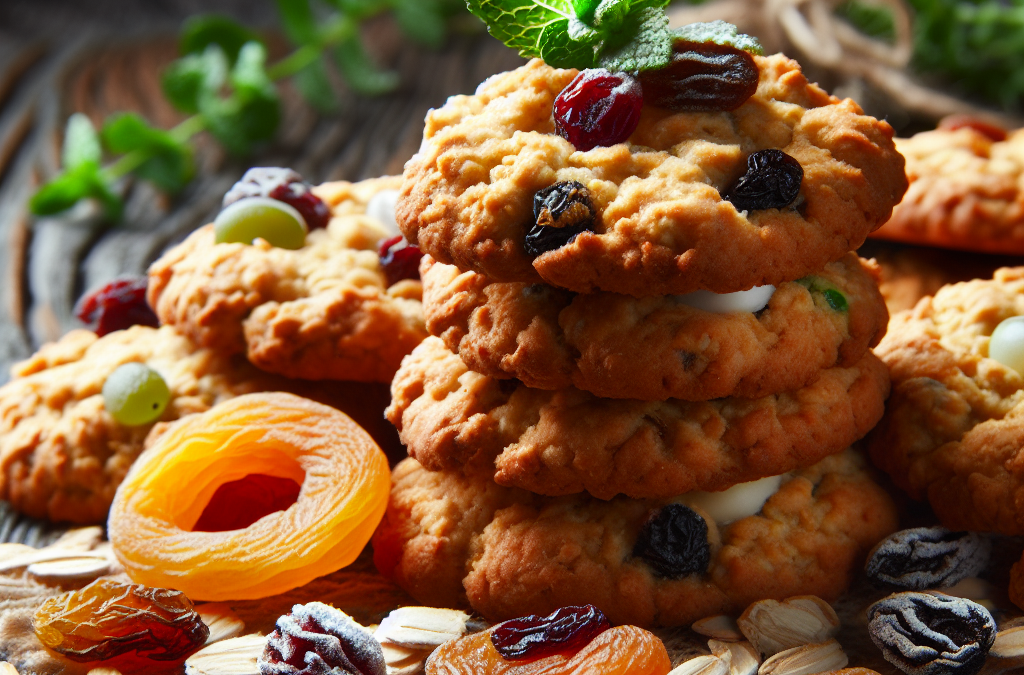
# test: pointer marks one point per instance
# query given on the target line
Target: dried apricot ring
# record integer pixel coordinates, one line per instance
(257, 438)
(623, 650)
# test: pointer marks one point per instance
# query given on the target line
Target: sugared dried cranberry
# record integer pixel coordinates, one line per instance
(285, 185)
(313, 209)
(315, 639)
(954, 122)
(118, 305)
(400, 259)
(560, 212)
(598, 108)
(674, 542)
(566, 629)
(702, 76)
(772, 181)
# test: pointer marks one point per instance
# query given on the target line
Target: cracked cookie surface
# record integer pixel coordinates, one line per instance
(663, 225)
(566, 441)
(655, 348)
(324, 311)
(452, 539)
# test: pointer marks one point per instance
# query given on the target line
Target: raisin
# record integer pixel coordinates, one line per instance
(118, 305)
(954, 122)
(928, 557)
(925, 634)
(565, 630)
(239, 503)
(674, 542)
(772, 181)
(109, 619)
(298, 195)
(400, 259)
(598, 108)
(702, 77)
(561, 212)
(284, 185)
(317, 639)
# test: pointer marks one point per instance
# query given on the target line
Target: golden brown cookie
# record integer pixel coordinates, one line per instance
(456, 540)
(953, 431)
(324, 311)
(566, 441)
(62, 455)
(662, 226)
(655, 348)
(965, 191)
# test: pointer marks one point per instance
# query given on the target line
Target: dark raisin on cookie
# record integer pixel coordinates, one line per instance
(926, 634)
(674, 542)
(560, 212)
(702, 77)
(772, 181)
(928, 557)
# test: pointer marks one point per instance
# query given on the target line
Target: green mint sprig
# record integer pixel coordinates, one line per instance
(619, 35)
(224, 83)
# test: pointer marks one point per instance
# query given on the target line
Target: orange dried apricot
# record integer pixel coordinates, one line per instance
(250, 441)
(623, 650)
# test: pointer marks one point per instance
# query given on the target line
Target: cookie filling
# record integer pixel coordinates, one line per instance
(753, 300)
(739, 501)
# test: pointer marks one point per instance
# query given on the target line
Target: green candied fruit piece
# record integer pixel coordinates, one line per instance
(278, 223)
(835, 300)
(722, 33)
(135, 394)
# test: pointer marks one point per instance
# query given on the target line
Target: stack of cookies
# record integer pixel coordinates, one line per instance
(645, 370)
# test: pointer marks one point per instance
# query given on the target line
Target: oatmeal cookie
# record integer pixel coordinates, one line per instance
(324, 311)
(966, 192)
(565, 441)
(655, 348)
(663, 226)
(953, 431)
(62, 455)
(452, 539)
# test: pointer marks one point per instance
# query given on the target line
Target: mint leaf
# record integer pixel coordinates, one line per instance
(359, 70)
(199, 32)
(81, 143)
(315, 86)
(585, 10)
(651, 46)
(251, 112)
(299, 23)
(533, 26)
(185, 80)
(720, 32)
(421, 20)
(169, 166)
(72, 186)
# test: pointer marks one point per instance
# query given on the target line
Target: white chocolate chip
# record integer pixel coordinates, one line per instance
(381, 208)
(753, 300)
(737, 502)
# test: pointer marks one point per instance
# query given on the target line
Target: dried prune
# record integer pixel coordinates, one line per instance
(772, 181)
(702, 77)
(598, 108)
(109, 619)
(925, 634)
(564, 630)
(928, 557)
(561, 212)
(400, 259)
(117, 305)
(674, 542)
(317, 639)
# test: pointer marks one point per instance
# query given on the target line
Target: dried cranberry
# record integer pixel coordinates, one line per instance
(674, 542)
(316, 639)
(772, 181)
(561, 212)
(118, 305)
(400, 259)
(954, 122)
(313, 209)
(566, 629)
(702, 76)
(598, 108)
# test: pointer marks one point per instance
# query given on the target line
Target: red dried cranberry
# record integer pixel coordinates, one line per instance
(400, 259)
(674, 542)
(317, 639)
(313, 209)
(598, 108)
(532, 637)
(702, 77)
(118, 305)
(772, 181)
(561, 212)
(954, 122)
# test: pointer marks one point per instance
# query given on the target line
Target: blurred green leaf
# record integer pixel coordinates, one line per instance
(421, 20)
(67, 189)
(315, 86)
(251, 112)
(873, 20)
(359, 70)
(199, 32)
(185, 80)
(299, 23)
(81, 143)
(169, 165)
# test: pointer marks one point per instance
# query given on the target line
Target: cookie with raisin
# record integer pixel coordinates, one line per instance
(660, 213)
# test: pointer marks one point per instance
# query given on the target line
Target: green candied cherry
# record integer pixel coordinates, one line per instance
(243, 221)
(135, 394)
(1007, 343)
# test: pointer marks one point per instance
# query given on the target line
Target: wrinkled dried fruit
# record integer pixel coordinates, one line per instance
(598, 108)
(118, 305)
(108, 619)
(298, 195)
(623, 650)
(400, 259)
(316, 638)
(284, 185)
(702, 77)
(772, 181)
(924, 634)
(564, 630)
(675, 542)
(560, 212)
(928, 557)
